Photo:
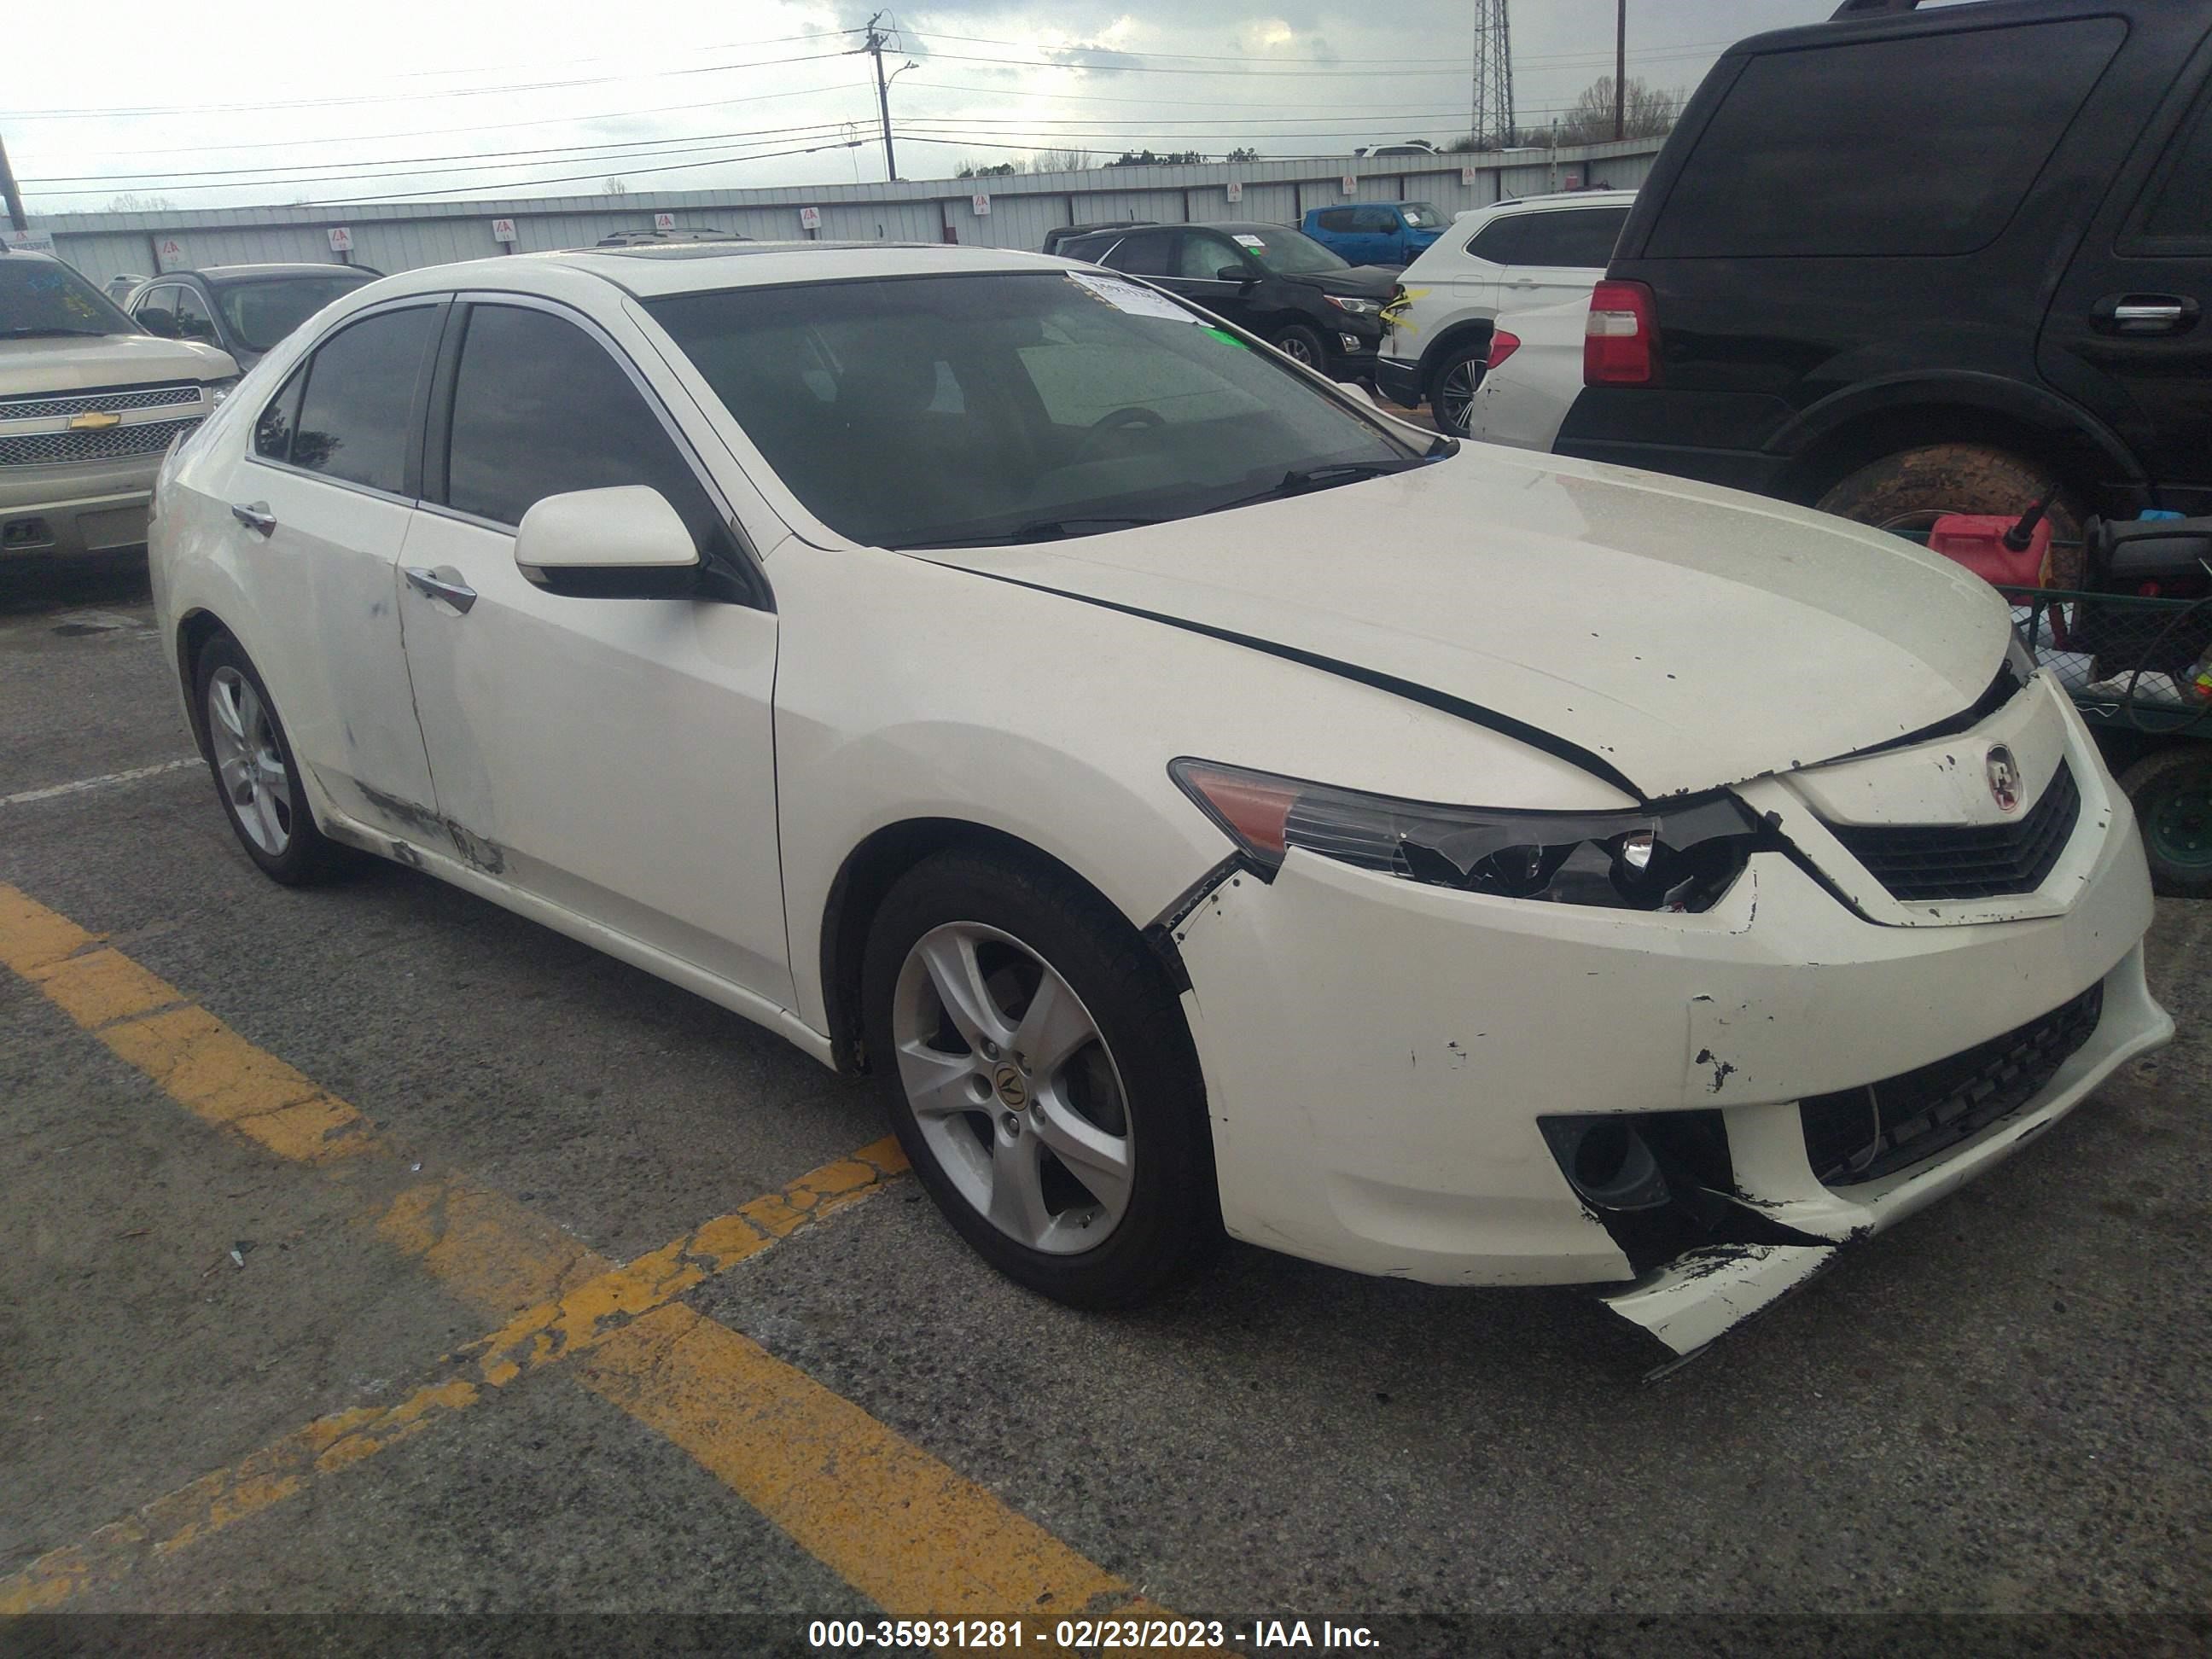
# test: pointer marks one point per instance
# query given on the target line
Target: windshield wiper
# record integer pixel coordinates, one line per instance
(33, 333)
(1037, 530)
(1304, 480)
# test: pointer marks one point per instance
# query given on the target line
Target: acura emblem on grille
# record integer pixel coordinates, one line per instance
(2004, 780)
(94, 420)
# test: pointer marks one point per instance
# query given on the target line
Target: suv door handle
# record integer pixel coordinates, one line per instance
(255, 516)
(453, 590)
(2143, 313)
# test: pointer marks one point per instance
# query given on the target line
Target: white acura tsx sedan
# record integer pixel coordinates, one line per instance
(1201, 803)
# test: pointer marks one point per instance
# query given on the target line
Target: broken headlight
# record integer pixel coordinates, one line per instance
(1681, 855)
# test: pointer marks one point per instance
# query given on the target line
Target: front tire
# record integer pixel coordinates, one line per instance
(1304, 345)
(1034, 1065)
(2171, 789)
(256, 777)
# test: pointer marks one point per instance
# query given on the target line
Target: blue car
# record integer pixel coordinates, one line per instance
(1376, 232)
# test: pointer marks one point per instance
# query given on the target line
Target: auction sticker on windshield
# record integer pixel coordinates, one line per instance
(1128, 296)
(1246, 241)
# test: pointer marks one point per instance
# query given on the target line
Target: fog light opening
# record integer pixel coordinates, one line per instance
(1607, 1162)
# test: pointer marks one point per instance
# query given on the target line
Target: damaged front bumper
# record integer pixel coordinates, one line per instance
(1382, 1059)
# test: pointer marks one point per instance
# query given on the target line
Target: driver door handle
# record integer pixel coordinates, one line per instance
(453, 590)
(2143, 313)
(255, 515)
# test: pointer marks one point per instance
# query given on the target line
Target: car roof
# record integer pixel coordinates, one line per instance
(305, 267)
(693, 267)
(1565, 199)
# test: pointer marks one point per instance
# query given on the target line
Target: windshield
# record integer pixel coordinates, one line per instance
(46, 297)
(262, 313)
(1421, 216)
(1010, 407)
(1289, 252)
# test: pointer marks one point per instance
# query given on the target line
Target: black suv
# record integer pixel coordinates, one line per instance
(1897, 263)
(1269, 280)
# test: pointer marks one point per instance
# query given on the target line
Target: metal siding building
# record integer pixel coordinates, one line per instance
(405, 235)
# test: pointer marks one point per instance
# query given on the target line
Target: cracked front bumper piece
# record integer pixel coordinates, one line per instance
(1397, 1072)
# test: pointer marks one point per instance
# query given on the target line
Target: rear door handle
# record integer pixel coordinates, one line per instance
(255, 516)
(2143, 313)
(453, 590)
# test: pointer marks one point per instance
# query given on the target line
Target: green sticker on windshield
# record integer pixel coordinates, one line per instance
(1222, 335)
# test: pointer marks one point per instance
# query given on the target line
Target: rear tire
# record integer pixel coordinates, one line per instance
(1060, 1034)
(256, 777)
(1303, 345)
(1910, 490)
(2171, 789)
(1459, 377)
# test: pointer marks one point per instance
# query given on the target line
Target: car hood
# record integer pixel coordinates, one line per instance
(1357, 281)
(77, 363)
(1682, 637)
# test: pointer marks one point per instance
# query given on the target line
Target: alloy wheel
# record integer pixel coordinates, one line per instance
(1295, 348)
(1455, 396)
(1013, 1089)
(248, 762)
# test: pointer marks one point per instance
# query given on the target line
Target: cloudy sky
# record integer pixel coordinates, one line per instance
(224, 102)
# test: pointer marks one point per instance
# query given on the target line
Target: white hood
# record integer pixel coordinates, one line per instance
(1686, 636)
(83, 363)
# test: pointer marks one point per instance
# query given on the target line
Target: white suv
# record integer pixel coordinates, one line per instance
(1511, 256)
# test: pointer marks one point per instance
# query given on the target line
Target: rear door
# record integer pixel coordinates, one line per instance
(614, 757)
(2128, 333)
(320, 504)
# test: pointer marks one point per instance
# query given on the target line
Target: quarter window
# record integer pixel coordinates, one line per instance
(272, 433)
(1572, 238)
(358, 410)
(541, 409)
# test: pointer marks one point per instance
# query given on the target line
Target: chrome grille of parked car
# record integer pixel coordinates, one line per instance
(1863, 1133)
(113, 400)
(1982, 861)
(55, 448)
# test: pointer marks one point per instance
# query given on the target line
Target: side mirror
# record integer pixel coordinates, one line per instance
(162, 323)
(625, 542)
(1237, 274)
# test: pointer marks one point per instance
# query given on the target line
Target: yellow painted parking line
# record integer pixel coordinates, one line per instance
(898, 1523)
(541, 1335)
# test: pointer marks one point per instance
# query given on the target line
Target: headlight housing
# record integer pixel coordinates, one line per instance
(1678, 856)
(218, 390)
(1356, 307)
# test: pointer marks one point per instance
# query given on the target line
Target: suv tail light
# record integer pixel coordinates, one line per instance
(1502, 346)
(1620, 343)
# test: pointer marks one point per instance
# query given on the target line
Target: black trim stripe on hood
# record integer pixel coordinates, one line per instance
(1595, 765)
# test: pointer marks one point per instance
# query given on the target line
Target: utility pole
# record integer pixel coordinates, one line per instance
(15, 198)
(874, 48)
(1620, 69)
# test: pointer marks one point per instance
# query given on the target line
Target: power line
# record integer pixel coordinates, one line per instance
(531, 183)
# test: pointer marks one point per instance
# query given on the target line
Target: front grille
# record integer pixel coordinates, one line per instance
(1963, 861)
(52, 448)
(115, 399)
(1878, 1128)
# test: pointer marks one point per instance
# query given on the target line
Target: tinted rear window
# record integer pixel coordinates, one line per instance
(1925, 145)
(358, 412)
(1573, 237)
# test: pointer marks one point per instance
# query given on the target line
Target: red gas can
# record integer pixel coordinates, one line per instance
(1977, 540)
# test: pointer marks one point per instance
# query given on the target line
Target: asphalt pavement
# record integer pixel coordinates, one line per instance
(370, 1249)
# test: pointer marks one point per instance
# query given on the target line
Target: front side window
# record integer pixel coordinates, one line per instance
(194, 320)
(1422, 216)
(1289, 252)
(358, 411)
(157, 303)
(1375, 221)
(2180, 208)
(541, 409)
(1086, 403)
(262, 313)
(1204, 255)
(44, 297)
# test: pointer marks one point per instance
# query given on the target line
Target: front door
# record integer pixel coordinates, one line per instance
(1201, 258)
(320, 505)
(2128, 333)
(612, 756)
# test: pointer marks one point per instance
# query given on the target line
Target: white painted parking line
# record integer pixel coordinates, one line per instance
(105, 780)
